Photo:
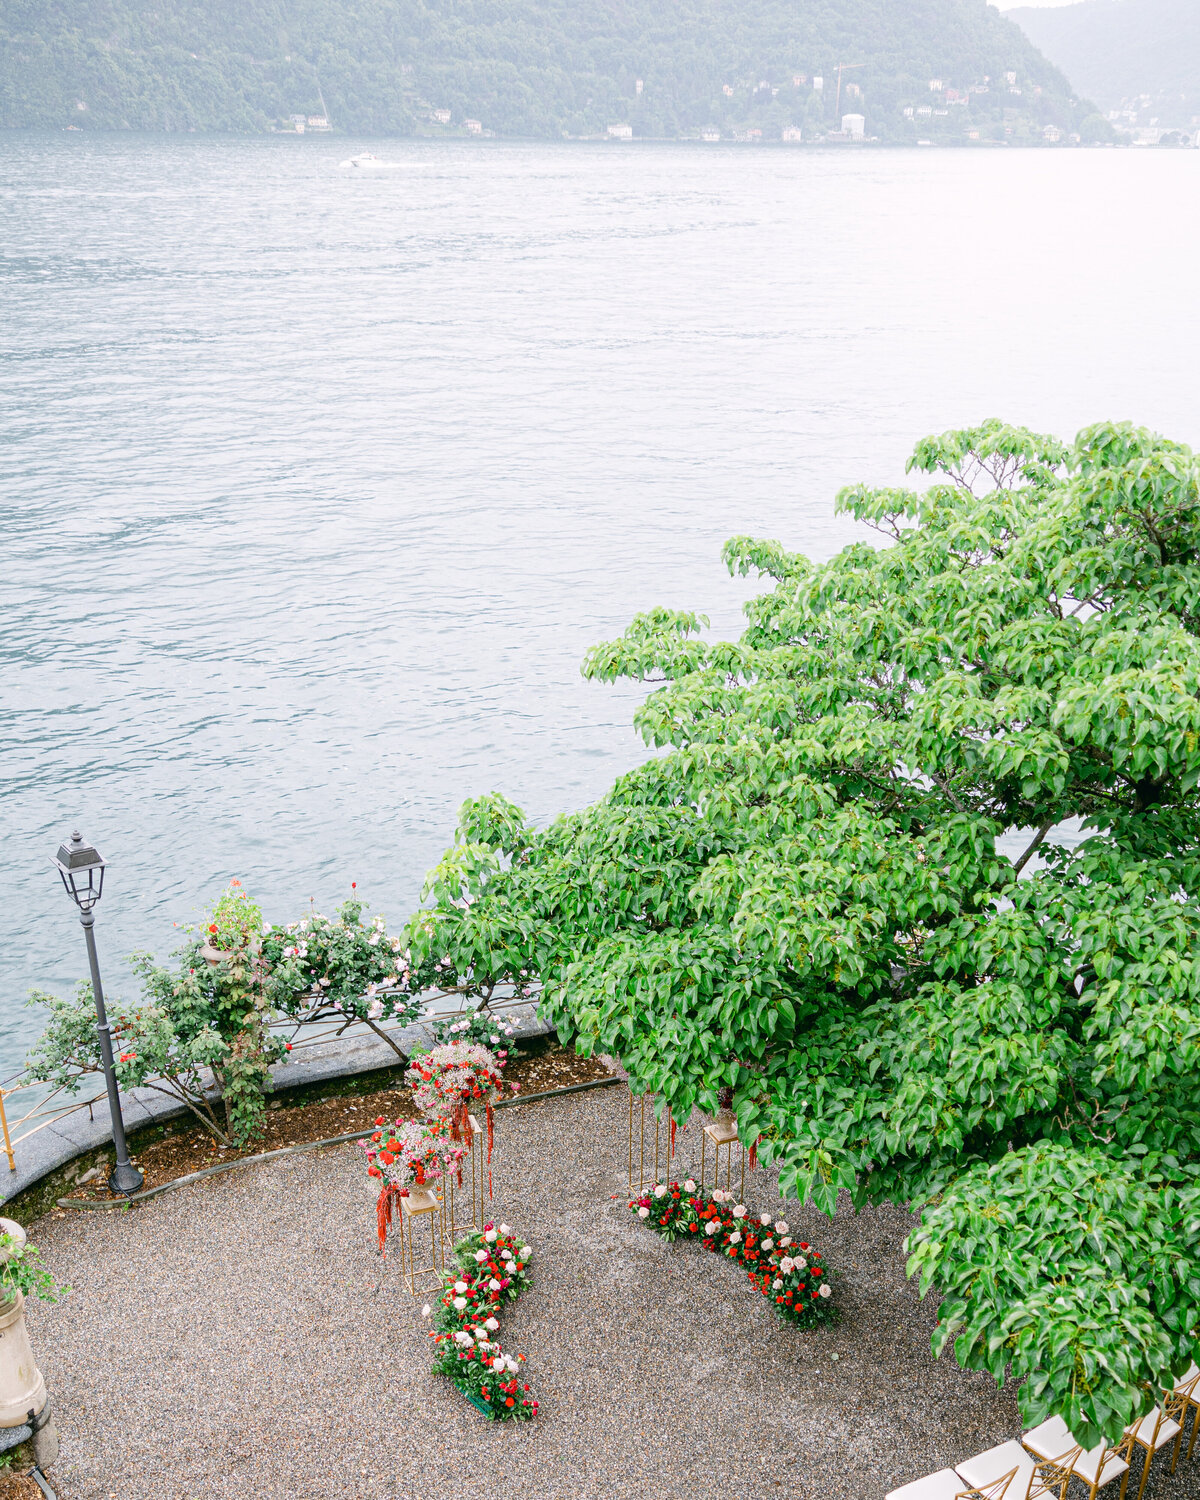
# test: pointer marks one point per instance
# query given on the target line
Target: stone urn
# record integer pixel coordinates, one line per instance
(23, 1403)
(421, 1200)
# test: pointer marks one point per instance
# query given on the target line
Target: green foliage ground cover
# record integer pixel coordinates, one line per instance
(802, 897)
(531, 67)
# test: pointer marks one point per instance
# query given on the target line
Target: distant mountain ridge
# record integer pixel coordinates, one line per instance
(1115, 51)
(531, 67)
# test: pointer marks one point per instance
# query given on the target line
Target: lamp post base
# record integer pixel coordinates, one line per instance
(125, 1178)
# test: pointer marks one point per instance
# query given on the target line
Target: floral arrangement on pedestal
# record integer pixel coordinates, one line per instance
(454, 1078)
(491, 1271)
(404, 1155)
(788, 1271)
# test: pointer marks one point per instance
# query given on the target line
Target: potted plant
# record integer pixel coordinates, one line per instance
(22, 1389)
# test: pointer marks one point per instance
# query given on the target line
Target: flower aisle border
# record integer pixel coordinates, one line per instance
(790, 1272)
(491, 1272)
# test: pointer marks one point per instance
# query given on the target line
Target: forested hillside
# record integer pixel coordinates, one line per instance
(1125, 52)
(530, 67)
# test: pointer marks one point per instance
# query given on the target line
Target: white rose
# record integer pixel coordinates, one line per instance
(786, 1264)
(498, 1363)
(740, 1211)
(460, 1286)
(643, 1213)
(506, 1255)
(689, 1186)
(480, 1257)
(776, 1284)
(786, 1240)
(504, 1229)
(460, 1303)
(767, 1244)
(710, 1227)
(462, 1337)
(526, 1252)
(659, 1190)
(780, 1227)
(490, 1236)
(491, 1325)
(494, 1285)
(513, 1366)
(425, 1311)
(734, 1237)
(719, 1195)
(825, 1290)
(764, 1218)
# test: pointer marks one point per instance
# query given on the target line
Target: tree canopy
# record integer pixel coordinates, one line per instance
(541, 68)
(803, 897)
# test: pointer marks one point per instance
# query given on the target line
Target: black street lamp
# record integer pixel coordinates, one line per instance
(82, 872)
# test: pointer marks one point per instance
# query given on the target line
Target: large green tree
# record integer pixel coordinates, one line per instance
(803, 897)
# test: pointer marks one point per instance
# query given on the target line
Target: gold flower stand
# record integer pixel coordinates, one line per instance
(650, 1161)
(722, 1134)
(466, 1205)
(422, 1207)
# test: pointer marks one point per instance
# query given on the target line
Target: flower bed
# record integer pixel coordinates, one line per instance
(792, 1274)
(491, 1272)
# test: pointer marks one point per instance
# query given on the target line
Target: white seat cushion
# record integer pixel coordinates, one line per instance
(944, 1485)
(986, 1468)
(1053, 1438)
(1145, 1434)
(1050, 1439)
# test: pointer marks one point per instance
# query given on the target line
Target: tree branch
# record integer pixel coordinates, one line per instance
(1033, 847)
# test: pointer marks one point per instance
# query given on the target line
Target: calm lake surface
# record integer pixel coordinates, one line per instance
(317, 484)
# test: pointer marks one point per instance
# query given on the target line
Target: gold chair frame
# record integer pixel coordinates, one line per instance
(1191, 1399)
(1172, 1407)
(996, 1490)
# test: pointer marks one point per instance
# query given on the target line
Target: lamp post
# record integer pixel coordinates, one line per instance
(82, 871)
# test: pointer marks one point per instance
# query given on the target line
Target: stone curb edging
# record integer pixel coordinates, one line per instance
(333, 1140)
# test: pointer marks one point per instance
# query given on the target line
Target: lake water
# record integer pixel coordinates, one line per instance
(317, 484)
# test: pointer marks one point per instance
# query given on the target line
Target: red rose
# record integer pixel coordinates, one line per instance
(379, 1119)
(374, 1172)
(386, 1158)
(508, 1401)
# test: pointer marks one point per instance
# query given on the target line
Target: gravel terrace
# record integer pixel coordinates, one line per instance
(242, 1337)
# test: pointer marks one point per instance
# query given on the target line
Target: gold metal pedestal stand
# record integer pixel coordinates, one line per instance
(643, 1160)
(466, 1205)
(723, 1135)
(422, 1204)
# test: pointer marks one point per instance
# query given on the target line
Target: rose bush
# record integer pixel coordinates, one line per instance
(345, 965)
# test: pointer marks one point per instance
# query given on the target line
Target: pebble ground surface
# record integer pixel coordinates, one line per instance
(242, 1337)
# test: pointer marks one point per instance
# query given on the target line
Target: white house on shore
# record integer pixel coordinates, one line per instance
(621, 132)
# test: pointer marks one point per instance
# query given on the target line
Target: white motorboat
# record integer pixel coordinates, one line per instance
(366, 161)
